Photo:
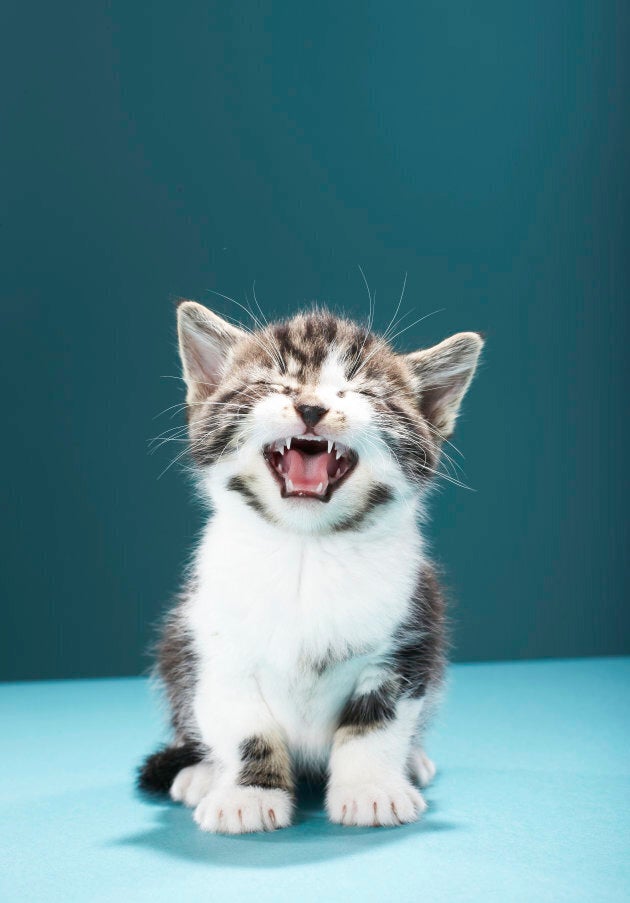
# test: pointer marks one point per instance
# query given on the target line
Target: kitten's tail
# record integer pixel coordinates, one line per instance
(159, 770)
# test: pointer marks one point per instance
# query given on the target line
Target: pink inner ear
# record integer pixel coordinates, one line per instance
(203, 361)
(208, 367)
(443, 373)
(435, 399)
(204, 343)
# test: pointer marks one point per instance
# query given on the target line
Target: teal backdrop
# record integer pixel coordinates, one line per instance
(156, 150)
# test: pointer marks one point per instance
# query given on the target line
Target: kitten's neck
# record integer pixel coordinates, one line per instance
(399, 521)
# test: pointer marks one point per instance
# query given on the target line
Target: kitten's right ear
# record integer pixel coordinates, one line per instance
(205, 341)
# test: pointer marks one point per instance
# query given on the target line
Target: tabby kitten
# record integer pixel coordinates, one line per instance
(310, 636)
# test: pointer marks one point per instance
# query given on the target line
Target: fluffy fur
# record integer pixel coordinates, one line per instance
(310, 636)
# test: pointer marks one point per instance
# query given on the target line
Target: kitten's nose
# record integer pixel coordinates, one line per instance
(311, 414)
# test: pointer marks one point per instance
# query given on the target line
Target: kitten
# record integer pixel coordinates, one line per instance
(310, 637)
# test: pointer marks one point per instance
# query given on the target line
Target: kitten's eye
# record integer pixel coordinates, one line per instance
(286, 390)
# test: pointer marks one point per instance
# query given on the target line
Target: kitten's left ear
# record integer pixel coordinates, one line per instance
(443, 374)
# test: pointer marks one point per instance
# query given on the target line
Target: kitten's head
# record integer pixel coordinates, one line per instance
(316, 423)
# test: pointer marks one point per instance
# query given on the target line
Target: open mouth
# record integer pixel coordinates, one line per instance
(309, 466)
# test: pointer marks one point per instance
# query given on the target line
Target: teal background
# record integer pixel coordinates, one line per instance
(157, 150)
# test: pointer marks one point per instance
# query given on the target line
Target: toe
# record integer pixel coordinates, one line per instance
(392, 802)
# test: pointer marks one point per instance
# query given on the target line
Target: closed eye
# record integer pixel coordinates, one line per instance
(367, 392)
(263, 384)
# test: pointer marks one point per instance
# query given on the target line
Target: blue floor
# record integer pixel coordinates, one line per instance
(531, 803)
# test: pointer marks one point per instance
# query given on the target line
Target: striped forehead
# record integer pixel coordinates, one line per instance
(318, 348)
(328, 369)
(315, 346)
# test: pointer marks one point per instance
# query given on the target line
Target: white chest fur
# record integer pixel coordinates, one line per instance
(305, 618)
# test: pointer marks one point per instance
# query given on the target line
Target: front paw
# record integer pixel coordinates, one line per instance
(244, 810)
(192, 784)
(389, 801)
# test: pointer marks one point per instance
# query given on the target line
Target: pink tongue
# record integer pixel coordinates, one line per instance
(306, 472)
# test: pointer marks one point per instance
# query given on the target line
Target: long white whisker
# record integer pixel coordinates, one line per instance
(402, 294)
(259, 325)
(380, 344)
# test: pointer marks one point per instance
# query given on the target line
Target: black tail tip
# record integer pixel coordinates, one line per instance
(159, 770)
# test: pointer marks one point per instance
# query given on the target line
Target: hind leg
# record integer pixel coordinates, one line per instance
(422, 768)
(193, 783)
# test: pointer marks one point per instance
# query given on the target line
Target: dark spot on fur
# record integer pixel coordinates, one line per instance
(378, 495)
(240, 485)
(265, 764)
(420, 641)
(371, 710)
(289, 347)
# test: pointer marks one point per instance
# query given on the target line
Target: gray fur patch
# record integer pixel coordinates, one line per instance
(266, 764)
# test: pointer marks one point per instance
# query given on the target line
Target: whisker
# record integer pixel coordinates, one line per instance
(273, 349)
(402, 294)
(380, 345)
(255, 335)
